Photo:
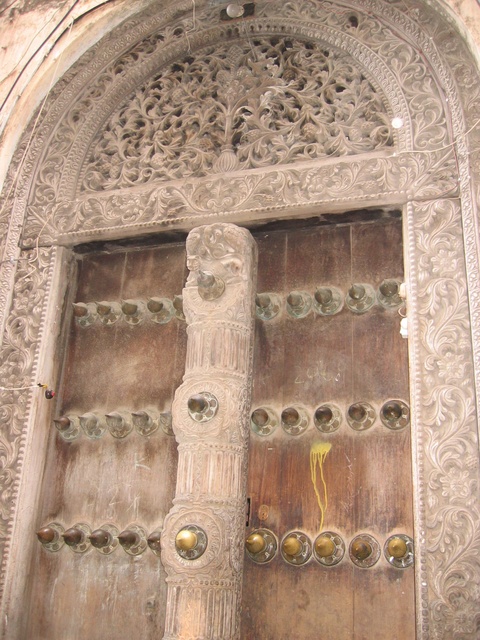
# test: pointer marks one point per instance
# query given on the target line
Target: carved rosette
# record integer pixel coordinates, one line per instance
(212, 462)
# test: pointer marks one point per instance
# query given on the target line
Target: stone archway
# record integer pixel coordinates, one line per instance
(72, 191)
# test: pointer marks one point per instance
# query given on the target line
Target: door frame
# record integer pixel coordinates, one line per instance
(439, 204)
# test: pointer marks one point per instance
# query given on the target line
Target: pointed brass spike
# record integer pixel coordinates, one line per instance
(186, 540)
(290, 416)
(323, 415)
(260, 417)
(361, 549)
(129, 307)
(397, 548)
(73, 536)
(103, 308)
(205, 279)
(392, 411)
(323, 295)
(114, 418)
(389, 288)
(63, 423)
(80, 309)
(128, 538)
(255, 543)
(357, 412)
(46, 535)
(140, 418)
(154, 541)
(357, 292)
(100, 538)
(197, 403)
(292, 546)
(263, 300)
(154, 305)
(178, 304)
(295, 299)
(324, 546)
(88, 420)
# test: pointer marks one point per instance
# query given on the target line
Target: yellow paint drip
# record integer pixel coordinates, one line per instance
(318, 453)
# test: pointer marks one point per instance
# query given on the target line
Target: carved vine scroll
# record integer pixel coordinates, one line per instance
(212, 464)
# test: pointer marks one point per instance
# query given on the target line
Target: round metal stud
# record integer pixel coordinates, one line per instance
(327, 301)
(263, 421)
(191, 542)
(329, 548)
(161, 310)
(77, 537)
(178, 307)
(235, 10)
(133, 311)
(68, 427)
(398, 551)
(364, 551)
(93, 425)
(395, 414)
(361, 416)
(133, 540)
(389, 294)
(85, 314)
(119, 423)
(261, 546)
(165, 419)
(51, 536)
(154, 542)
(202, 406)
(267, 305)
(109, 312)
(145, 422)
(296, 548)
(105, 538)
(294, 420)
(327, 418)
(299, 304)
(360, 298)
(210, 287)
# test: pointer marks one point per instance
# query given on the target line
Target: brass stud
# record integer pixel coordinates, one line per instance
(290, 416)
(103, 308)
(100, 538)
(46, 535)
(357, 292)
(323, 296)
(255, 543)
(324, 546)
(397, 548)
(323, 415)
(295, 299)
(357, 412)
(186, 540)
(129, 307)
(63, 423)
(292, 546)
(154, 541)
(80, 310)
(205, 279)
(262, 300)
(197, 403)
(392, 411)
(361, 549)
(73, 536)
(260, 417)
(154, 305)
(128, 539)
(389, 288)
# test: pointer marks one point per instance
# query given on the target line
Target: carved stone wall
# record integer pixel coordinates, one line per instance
(213, 444)
(400, 57)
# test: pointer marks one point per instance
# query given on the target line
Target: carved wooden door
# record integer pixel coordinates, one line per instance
(330, 525)
(111, 466)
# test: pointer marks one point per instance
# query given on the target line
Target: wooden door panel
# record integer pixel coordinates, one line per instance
(109, 480)
(339, 359)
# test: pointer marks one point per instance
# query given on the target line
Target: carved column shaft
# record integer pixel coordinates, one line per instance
(204, 591)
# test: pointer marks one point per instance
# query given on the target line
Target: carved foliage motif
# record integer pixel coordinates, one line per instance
(239, 107)
(449, 441)
(212, 472)
(18, 367)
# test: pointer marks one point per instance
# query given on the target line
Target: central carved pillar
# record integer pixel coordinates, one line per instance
(202, 540)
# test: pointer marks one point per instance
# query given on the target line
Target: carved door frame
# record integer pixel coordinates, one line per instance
(430, 83)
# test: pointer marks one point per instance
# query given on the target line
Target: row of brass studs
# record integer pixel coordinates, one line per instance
(327, 301)
(328, 549)
(118, 423)
(80, 538)
(133, 312)
(327, 418)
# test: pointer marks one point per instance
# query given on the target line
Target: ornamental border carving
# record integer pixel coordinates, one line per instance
(442, 248)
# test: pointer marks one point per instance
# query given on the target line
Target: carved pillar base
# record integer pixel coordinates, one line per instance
(202, 541)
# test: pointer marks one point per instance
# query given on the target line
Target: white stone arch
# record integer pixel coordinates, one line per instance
(441, 259)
